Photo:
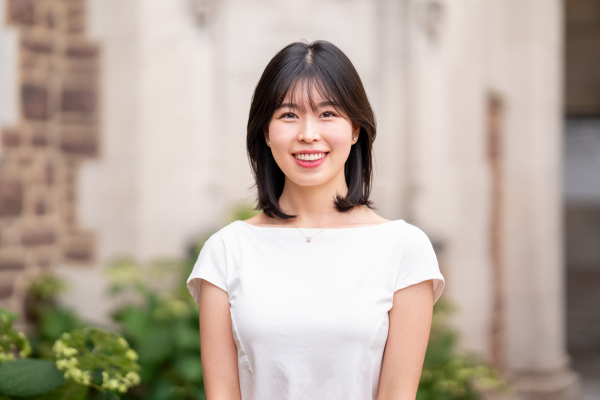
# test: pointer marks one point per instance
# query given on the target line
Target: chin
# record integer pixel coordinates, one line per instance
(309, 180)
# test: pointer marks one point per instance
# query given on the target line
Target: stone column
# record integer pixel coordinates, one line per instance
(526, 48)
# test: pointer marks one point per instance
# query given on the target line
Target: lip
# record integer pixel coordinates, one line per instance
(310, 164)
(310, 152)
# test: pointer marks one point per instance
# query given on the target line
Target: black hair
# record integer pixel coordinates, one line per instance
(322, 65)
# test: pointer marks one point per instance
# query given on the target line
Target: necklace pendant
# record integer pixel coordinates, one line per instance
(308, 239)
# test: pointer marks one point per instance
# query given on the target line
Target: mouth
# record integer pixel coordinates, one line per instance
(310, 159)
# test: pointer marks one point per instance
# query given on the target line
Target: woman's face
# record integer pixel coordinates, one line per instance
(310, 147)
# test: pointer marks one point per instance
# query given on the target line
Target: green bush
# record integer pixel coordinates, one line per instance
(162, 326)
(88, 363)
(446, 373)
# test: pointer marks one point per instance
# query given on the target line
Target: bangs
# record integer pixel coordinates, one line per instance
(301, 88)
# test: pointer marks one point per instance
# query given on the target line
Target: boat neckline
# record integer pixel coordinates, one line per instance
(289, 231)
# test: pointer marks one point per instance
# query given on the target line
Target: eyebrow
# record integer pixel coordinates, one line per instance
(320, 105)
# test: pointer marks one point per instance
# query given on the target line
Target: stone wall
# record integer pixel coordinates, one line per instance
(56, 132)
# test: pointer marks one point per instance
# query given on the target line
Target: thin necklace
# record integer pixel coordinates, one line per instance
(309, 238)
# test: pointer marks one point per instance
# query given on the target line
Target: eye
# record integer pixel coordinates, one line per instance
(287, 115)
(329, 114)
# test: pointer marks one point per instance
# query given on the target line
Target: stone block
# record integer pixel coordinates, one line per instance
(11, 197)
(37, 45)
(39, 139)
(50, 173)
(78, 100)
(82, 50)
(40, 207)
(79, 248)
(79, 141)
(10, 138)
(35, 101)
(36, 236)
(11, 264)
(6, 290)
(21, 12)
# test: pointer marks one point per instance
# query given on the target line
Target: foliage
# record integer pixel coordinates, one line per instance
(447, 375)
(162, 322)
(92, 356)
(162, 327)
(13, 344)
(89, 357)
(49, 319)
(29, 377)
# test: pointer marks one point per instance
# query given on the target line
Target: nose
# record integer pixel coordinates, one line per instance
(309, 131)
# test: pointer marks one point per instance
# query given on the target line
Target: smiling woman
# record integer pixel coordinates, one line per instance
(307, 92)
(288, 316)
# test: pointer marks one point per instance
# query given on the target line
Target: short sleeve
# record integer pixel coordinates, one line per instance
(419, 263)
(210, 266)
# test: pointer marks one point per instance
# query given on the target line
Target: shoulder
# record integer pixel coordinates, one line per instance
(414, 233)
(224, 235)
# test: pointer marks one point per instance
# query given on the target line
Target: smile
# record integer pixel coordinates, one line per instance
(309, 157)
(310, 160)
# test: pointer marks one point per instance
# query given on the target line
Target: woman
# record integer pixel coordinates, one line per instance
(316, 297)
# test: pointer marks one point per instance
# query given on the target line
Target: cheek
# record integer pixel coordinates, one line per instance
(281, 136)
(339, 137)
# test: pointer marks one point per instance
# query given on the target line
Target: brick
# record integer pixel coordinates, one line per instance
(50, 174)
(11, 264)
(10, 138)
(38, 236)
(21, 11)
(44, 262)
(6, 290)
(37, 45)
(85, 50)
(50, 19)
(35, 101)
(39, 140)
(79, 248)
(79, 142)
(80, 100)
(40, 207)
(11, 197)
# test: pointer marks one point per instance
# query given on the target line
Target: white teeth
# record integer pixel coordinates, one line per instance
(309, 157)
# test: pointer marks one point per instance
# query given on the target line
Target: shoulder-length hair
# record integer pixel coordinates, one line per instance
(325, 67)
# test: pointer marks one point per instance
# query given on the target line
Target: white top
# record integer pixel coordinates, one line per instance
(310, 320)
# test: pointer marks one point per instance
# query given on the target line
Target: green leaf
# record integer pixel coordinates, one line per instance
(134, 320)
(108, 396)
(28, 377)
(190, 367)
(155, 346)
(55, 321)
(69, 390)
(188, 338)
(10, 314)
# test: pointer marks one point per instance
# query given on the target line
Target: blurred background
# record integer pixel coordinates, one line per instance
(123, 138)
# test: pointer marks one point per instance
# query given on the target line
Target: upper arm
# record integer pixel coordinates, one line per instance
(217, 346)
(410, 323)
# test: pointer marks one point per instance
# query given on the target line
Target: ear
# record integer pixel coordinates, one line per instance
(355, 132)
(267, 140)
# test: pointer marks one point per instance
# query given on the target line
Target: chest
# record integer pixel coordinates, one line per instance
(320, 293)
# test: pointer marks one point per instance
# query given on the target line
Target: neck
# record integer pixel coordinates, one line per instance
(312, 205)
